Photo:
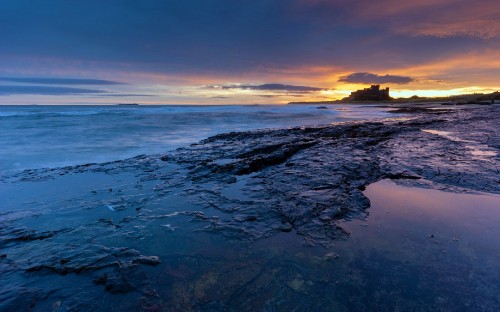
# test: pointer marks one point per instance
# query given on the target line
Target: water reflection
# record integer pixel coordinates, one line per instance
(429, 249)
(418, 250)
(475, 148)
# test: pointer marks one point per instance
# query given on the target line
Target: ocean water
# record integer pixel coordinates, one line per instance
(54, 136)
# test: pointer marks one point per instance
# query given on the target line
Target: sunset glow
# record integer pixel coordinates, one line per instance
(169, 52)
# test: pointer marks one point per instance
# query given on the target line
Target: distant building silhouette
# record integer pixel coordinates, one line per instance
(374, 93)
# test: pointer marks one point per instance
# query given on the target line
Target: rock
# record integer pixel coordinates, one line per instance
(56, 305)
(113, 283)
(286, 227)
(331, 256)
(117, 285)
(101, 279)
(151, 260)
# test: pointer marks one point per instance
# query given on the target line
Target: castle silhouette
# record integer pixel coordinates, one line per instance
(373, 93)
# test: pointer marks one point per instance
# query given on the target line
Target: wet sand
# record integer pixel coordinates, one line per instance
(292, 219)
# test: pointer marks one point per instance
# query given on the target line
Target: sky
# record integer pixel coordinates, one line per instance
(243, 52)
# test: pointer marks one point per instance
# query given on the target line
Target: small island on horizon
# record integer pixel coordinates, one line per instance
(377, 94)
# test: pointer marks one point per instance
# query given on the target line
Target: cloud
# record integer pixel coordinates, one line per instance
(210, 42)
(43, 90)
(219, 97)
(269, 87)
(436, 18)
(60, 81)
(369, 78)
(127, 95)
(281, 95)
(483, 29)
(224, 37)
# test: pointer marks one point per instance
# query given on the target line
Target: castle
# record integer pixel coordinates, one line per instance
(374, 93)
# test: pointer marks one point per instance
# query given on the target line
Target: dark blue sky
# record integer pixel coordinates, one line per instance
(174, 49)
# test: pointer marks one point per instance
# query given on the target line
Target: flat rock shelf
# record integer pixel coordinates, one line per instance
(271, 220)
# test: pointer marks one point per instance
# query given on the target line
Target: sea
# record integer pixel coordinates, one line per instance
(42, 136)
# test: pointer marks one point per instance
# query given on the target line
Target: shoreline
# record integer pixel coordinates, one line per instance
(343, 158)
(114, 133)
(410, 112)
(164, 230)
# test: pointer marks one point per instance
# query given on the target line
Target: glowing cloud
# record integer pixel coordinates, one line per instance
(369, 78)
(268, 87)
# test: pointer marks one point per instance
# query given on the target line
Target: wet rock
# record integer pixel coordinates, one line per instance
(101, 279)
(402, 175)
(151, 260)
(287, 227)
(331, 256)
(299, 284)
(11, 234)
(90, 258)
(337, 161)
(116, 285)
(56, 305)
(22, 298)
(113, 283)
(417, 110)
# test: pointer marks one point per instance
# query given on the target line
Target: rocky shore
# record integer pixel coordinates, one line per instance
(98, 225)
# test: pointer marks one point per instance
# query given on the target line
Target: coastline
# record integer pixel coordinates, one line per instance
(90, 222)
(56, 136)
(272, 147)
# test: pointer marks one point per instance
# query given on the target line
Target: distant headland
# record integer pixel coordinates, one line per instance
(377, 94)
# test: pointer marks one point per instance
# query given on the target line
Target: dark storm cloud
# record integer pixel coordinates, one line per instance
(43, 90)
(232, 37)
(60, 81)
(268, 87)
(187, 36)
(369, 78)
(152, 35)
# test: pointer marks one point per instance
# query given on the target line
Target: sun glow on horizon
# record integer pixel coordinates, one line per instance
(441, 93)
